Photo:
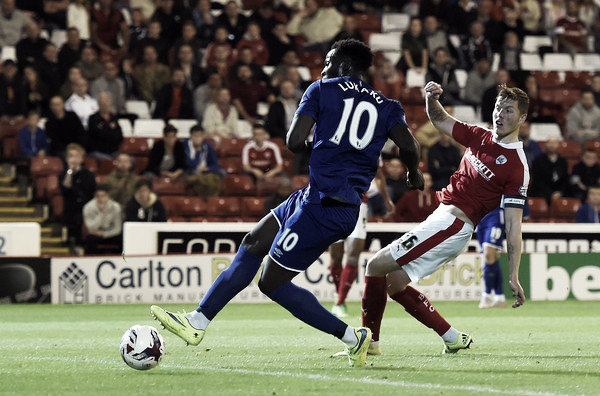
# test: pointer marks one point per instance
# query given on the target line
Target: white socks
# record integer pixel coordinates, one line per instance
(349, 337)
(198, 320)
(451, 335)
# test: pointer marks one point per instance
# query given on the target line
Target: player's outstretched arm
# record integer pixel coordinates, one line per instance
(298, 132)
(513, 220)
(438, 116)
(410, 154)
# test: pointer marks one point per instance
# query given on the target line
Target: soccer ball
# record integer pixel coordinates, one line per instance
(142, 347)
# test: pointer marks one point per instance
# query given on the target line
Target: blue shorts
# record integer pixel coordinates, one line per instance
(307, 229)
(490, 231)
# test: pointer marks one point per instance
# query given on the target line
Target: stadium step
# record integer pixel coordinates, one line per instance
(55, 251)
(53, 240)
(23, 219)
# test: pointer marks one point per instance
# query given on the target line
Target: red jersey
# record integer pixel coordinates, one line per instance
(487, 171)
(264, 158)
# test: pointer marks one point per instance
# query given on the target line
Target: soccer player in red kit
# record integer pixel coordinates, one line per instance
(493, 168)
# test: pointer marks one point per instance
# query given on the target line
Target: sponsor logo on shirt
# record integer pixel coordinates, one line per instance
(479, 166)
(501, 160)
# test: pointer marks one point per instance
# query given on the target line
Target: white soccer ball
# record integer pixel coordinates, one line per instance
(142, 347)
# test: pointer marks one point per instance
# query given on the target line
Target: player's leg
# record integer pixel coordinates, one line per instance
(336, 254)
(255, 245)
(275, 282)
(354, 247)
(491, 239)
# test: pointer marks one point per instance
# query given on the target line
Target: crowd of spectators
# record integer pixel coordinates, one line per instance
(216, 63)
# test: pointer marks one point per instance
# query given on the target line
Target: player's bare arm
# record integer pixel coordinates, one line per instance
(513, 220)
(410, 154)
(298, 132)
(438, 116)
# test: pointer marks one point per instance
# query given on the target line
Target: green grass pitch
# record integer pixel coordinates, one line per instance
(542, 348)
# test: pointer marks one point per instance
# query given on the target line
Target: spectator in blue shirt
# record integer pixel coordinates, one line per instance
(202, 165)
(32, 139)
(589, 212)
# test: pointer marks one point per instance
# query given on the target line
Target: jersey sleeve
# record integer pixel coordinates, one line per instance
(309, 104)
(515, 195)
(397, 115)
(468, 135)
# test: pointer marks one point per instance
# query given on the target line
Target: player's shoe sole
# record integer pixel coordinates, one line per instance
(178, 324)
(357, 355)
(463, 341)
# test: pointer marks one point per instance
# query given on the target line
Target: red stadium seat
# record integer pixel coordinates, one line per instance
(299, 181)
(56, 204)
(266, 187)
(564, 209)
(592, 144)
(311, 59)
(232, 165)
(567, 97)
(10, 148)
(91, 164)
(538, 208)
(570, 149)
(135, 146)
(231, 147)
(182, 206)
(253, 206)
(44, 166)
(412, 95)
(548, 79)
(577, 79)
(167, 186)
(237, 185)
(106, 166)
(371, 22)
(46, 187)
(140, 164)
(223, 206)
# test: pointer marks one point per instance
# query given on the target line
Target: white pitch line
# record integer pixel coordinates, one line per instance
(318, 377)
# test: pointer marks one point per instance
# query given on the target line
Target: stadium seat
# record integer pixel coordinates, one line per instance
(589, 62)
(414, 78)
(465, 113)
(10, 148)
(183, 126)
(45, 187)
(167, 186)
(232, 165)
(368, 21)
(577, 79)
(135, 146)
(570, 149)
(311, 58)
(251, 4)
(394, 22)
(140, 164)
(412, 95)
(44, 166)
(57, 206)
(148, 128)
(564, 209)
(532, 43)
(171, 204)
(461, 77)
(557, 62)
(126, 127)
(304, 72)
(592, 144)
(548, 79)
(530, 62)
(191, 206)
(541, 131)
(266, 187)
(139, 108)
(385, 41)
(91, 164)
(58, 37)
(299, 181)
(567, 97)
(538, 208)
(231, 147)
(244, 129)
(176, 219)
(237, 185)
(8, 52)
(253, 206)
(223, 206)
(106, 166)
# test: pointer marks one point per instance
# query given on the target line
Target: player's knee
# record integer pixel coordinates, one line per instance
(374, 267)
(265, 287)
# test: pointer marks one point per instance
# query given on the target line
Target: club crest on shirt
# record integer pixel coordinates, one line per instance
(501, 160)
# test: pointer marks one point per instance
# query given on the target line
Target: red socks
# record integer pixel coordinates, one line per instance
(346, 280)
(373, 303)
(416, 304)
(336, 273)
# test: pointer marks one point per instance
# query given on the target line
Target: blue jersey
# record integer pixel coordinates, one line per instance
(352, 125)
(490, 230)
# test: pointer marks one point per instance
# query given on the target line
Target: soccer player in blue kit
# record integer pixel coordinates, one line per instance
(351, 123)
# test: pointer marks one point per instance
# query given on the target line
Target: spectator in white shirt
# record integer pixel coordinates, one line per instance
(81, 103)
